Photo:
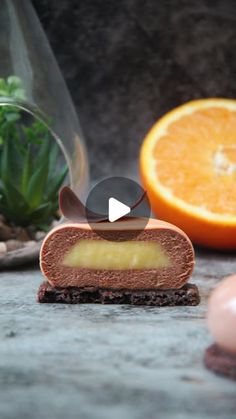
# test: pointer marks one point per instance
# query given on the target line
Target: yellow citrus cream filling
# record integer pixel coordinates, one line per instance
(101, 254)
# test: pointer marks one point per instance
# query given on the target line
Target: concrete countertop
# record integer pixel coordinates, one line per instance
(103, 362)
(121, 362)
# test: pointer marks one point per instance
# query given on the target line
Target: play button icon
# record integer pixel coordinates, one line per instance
(117, 210)
(114, 200)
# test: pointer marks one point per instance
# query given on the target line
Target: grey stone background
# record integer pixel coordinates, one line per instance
(127, 62)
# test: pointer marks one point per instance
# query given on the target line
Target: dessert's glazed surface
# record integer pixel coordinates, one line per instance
(221, 318)
(222, 314)
(171, 243)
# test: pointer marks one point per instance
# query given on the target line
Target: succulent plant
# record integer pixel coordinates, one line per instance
(29, 179)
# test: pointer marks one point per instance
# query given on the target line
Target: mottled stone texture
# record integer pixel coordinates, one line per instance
(109, 362)
(127, 62)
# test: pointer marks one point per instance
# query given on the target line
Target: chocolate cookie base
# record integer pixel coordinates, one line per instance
(188, 295)
(220, 361)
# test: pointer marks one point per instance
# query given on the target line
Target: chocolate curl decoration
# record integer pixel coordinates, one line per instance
(74, 210)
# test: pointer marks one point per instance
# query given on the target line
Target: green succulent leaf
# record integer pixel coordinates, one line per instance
(19, 94)
(4, 161)
(13, 81)
(37, 184)
(53, 159)
(27, 168)
(56, 183)
(30, 177)
(12, 116)
(41, 213)
(15, 206)
(11, 162)
(14, 198)
(43, 227)
(43, 154)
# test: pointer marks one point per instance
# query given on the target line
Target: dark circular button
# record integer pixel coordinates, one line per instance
(114, 199)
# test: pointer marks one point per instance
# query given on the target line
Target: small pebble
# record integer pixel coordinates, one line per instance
(14, 245)
(3, 249)
(55, 223)
(6, 232)
(22, 234)
(31, 230)
(2, 219)
(29, 243)
(39, 235)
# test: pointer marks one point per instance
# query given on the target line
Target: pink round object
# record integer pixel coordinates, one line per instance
(221, 317)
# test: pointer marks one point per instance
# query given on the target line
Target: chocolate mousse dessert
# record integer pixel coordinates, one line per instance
(220, 357)
(151, 267)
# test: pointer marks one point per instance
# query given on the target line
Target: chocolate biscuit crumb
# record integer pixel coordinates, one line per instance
(188, 295)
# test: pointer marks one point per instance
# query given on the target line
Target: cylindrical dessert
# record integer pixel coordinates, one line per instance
(156, 262)
(221, 356)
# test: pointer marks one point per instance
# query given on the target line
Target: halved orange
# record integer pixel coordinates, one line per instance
(188, 167)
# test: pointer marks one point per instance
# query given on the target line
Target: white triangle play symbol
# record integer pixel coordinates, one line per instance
(116, 209)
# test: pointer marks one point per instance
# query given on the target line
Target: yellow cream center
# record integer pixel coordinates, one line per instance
(101, 254)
